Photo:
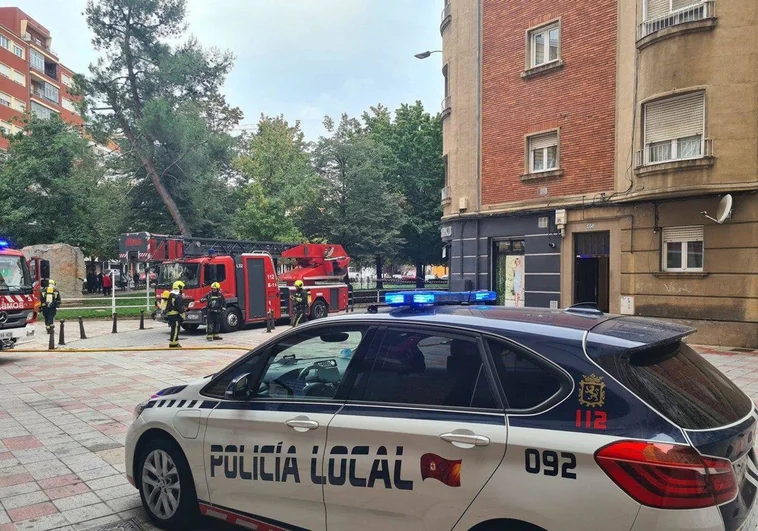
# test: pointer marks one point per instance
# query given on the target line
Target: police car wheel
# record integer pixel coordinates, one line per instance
(166, 485)
(319, 310)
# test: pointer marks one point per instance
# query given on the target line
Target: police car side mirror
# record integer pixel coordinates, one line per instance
(239, 388)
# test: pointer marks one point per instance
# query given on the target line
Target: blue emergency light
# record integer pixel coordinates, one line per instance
(429, 298)
(4, 243)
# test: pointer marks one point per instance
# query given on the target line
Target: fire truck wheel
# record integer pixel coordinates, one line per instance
(190, 327)
(232, 320)
(319, 309)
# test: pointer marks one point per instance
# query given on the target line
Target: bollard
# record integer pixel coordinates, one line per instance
(142, 319)
(61, 340)
(115, 323)
(273, 321)
(81, 329)
(268, 322)
(51, 343)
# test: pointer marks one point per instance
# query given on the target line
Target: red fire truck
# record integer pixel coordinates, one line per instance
(20, 282)
(247, 272)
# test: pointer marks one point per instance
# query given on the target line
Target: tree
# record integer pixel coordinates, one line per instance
(141, 90)
(54, 189)
(356, 207)
(413, 168)
(279, 182)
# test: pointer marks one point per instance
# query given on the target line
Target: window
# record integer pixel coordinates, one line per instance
(69, 106)
(426, 369)
(51, 92)
(36, 60)
(18, 77)
(4, 42)
(19, 105)
(18, 50)
(526, 384)
(543, 152)
(6, 128)
(213, 272)
(447, 170)
(5, 70)
(40, 111)
(544, 45)
(675, 128)
(66, 80)
(683, 248)
(655, 9)
(5, 99)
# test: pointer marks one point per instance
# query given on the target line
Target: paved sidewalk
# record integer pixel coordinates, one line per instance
(64, 415)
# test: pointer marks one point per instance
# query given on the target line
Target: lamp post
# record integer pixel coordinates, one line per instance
(426, 54)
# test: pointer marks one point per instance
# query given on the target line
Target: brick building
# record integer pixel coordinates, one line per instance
(32, 78)
(584, 139)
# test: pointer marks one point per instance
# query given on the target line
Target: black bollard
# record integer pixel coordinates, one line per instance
(142, 319)
(51, 343)
(81, 329)
(273, 321)
(268, 322)
(115, 324)
(61, 340)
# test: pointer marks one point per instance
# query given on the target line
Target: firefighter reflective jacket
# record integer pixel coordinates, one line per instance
(300, 298)
(175, 303)
(216, 302)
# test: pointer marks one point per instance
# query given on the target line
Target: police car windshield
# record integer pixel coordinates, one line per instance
(170, 272)
(14, 273)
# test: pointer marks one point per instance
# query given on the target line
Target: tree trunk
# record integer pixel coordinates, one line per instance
(420, 276)
(165, 196)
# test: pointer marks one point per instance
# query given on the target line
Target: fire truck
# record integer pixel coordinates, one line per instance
(248, 273)
(20, 283)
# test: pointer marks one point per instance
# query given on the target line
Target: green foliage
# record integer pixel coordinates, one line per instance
(414, 169)
(165, 107)
(54, 189)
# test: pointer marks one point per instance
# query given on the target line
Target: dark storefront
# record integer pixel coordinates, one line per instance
(519, 257)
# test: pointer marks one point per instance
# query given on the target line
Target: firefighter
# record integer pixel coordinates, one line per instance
(174, 312)
(51, 299)
(214, 312)
(299, 303)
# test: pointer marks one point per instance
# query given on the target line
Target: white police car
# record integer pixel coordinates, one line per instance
(446, 413)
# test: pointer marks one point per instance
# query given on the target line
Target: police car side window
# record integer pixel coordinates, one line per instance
(310, 365)
(525, 382)
(426, 369)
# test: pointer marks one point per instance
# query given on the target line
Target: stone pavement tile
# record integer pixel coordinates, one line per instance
(45, 523)
(75, 502)
(66, 491)
(121, 468)
(65, 449)
(107, 482)
(35, 455)
(21, 443)
(22, 500)
(80, 463)
(96, 523)
(4, 518)
(15, 479)
(8, 527)
(47, 469)
(88, 512)
(96, 473)
(126, 503)
(119, 491)
(14, 490)
(32, 511)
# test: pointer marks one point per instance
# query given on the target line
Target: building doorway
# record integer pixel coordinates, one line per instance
(592, 268)
(508, 272)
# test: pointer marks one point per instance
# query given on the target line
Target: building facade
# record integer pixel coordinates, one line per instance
(32, 78)
(588, 145)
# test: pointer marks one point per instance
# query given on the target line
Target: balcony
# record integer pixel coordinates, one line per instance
(447, 17)
(698, 17)
(39, 43)
(446, 108)
(681, 154)
(446, 197)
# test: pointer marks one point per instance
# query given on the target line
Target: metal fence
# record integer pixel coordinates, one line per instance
(692, 13)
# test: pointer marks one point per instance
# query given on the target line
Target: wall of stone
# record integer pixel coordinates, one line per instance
(67, 266)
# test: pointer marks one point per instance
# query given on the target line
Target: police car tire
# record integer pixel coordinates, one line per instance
(188, 509)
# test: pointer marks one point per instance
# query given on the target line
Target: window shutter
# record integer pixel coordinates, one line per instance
(543, 141)
(676, 5)
(4, 70)
(683, 234)
(656, 9)
(675, 118)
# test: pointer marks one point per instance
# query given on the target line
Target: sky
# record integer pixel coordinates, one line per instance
(301, 58)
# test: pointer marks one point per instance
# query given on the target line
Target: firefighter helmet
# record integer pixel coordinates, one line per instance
(215, 285)
(178, 284)
(298, 283)
(51, 282)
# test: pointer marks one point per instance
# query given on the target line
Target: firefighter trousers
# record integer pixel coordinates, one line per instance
(49, 314)
(174, 321)
(213, 327)
(299, 317)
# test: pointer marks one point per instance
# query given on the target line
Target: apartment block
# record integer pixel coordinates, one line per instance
(589, 145)
(32, 78)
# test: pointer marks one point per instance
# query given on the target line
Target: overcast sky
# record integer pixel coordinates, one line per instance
(301, 58)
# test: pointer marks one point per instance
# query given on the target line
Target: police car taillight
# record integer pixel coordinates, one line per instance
(668, 476)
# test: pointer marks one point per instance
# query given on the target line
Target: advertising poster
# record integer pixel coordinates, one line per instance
(510, 280)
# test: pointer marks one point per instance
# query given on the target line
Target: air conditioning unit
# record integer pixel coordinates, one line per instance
(463, 203)
(446, 194)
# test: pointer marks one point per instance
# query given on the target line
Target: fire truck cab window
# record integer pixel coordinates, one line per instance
(214, 273)
(172, 271)
(13, 273)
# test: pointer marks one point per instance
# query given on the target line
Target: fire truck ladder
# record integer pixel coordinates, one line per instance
(194, 247)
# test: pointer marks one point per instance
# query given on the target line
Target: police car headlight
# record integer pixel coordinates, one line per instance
(139, 409)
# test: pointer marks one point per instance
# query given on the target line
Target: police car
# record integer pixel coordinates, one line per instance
(447, 412)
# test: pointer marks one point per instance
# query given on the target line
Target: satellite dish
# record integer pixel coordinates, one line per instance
(723, 212)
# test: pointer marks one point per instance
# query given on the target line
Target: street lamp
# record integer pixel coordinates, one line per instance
(424, 55)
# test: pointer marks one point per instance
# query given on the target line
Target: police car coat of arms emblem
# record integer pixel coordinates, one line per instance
(592, 391)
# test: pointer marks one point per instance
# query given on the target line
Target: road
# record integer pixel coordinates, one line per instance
(64, 415)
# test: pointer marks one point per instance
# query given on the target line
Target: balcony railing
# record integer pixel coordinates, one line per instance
(39, 43)
(663, 152)
(447, 17)
(446, 194)
(700, 11)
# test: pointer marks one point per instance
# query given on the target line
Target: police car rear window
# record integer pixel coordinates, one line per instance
(678, 382)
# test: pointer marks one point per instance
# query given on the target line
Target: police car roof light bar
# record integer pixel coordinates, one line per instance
(4, 243)
(431, 298)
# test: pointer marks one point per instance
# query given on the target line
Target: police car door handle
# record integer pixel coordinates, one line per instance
(302, 424)
(463, 440)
